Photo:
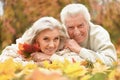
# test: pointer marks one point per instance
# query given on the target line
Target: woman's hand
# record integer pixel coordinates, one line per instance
(39, 57)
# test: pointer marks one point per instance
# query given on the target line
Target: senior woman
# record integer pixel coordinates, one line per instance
(46, 34)
(39, 43)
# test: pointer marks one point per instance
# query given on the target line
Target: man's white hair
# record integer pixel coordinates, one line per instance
(74, 9)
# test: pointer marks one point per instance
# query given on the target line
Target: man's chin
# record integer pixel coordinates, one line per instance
(79, 41)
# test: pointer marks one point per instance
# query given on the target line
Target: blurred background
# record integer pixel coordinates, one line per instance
(18, 15)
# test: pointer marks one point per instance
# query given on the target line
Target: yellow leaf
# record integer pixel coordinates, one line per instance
(111, 76)
(75, 70)
(86, 77)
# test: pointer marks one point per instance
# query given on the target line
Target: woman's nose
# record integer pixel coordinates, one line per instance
(51, 44)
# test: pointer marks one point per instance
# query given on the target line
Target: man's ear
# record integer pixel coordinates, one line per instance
(62, 43)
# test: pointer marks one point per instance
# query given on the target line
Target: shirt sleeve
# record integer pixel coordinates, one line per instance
(11, 52)
(56, 57)
(101, 48)
(66, 55)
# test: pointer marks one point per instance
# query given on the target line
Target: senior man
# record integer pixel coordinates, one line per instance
(92, 42)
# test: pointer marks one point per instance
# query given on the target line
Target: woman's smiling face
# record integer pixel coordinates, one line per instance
(49, 40)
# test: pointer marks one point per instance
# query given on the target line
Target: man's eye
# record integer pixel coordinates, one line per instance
(70, 27)
(81, 26)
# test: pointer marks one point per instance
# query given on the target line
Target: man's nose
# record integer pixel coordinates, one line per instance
(76, 31)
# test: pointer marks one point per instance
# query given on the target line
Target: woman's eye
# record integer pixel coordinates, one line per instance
(57, 38)
(45, 38)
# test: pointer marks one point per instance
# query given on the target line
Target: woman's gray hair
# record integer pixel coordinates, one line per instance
(41, 24)
(74, 9)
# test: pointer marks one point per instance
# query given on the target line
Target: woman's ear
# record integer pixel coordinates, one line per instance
(36, 44)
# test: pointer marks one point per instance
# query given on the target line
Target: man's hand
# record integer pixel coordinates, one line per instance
(39, 57)
(72, 45)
